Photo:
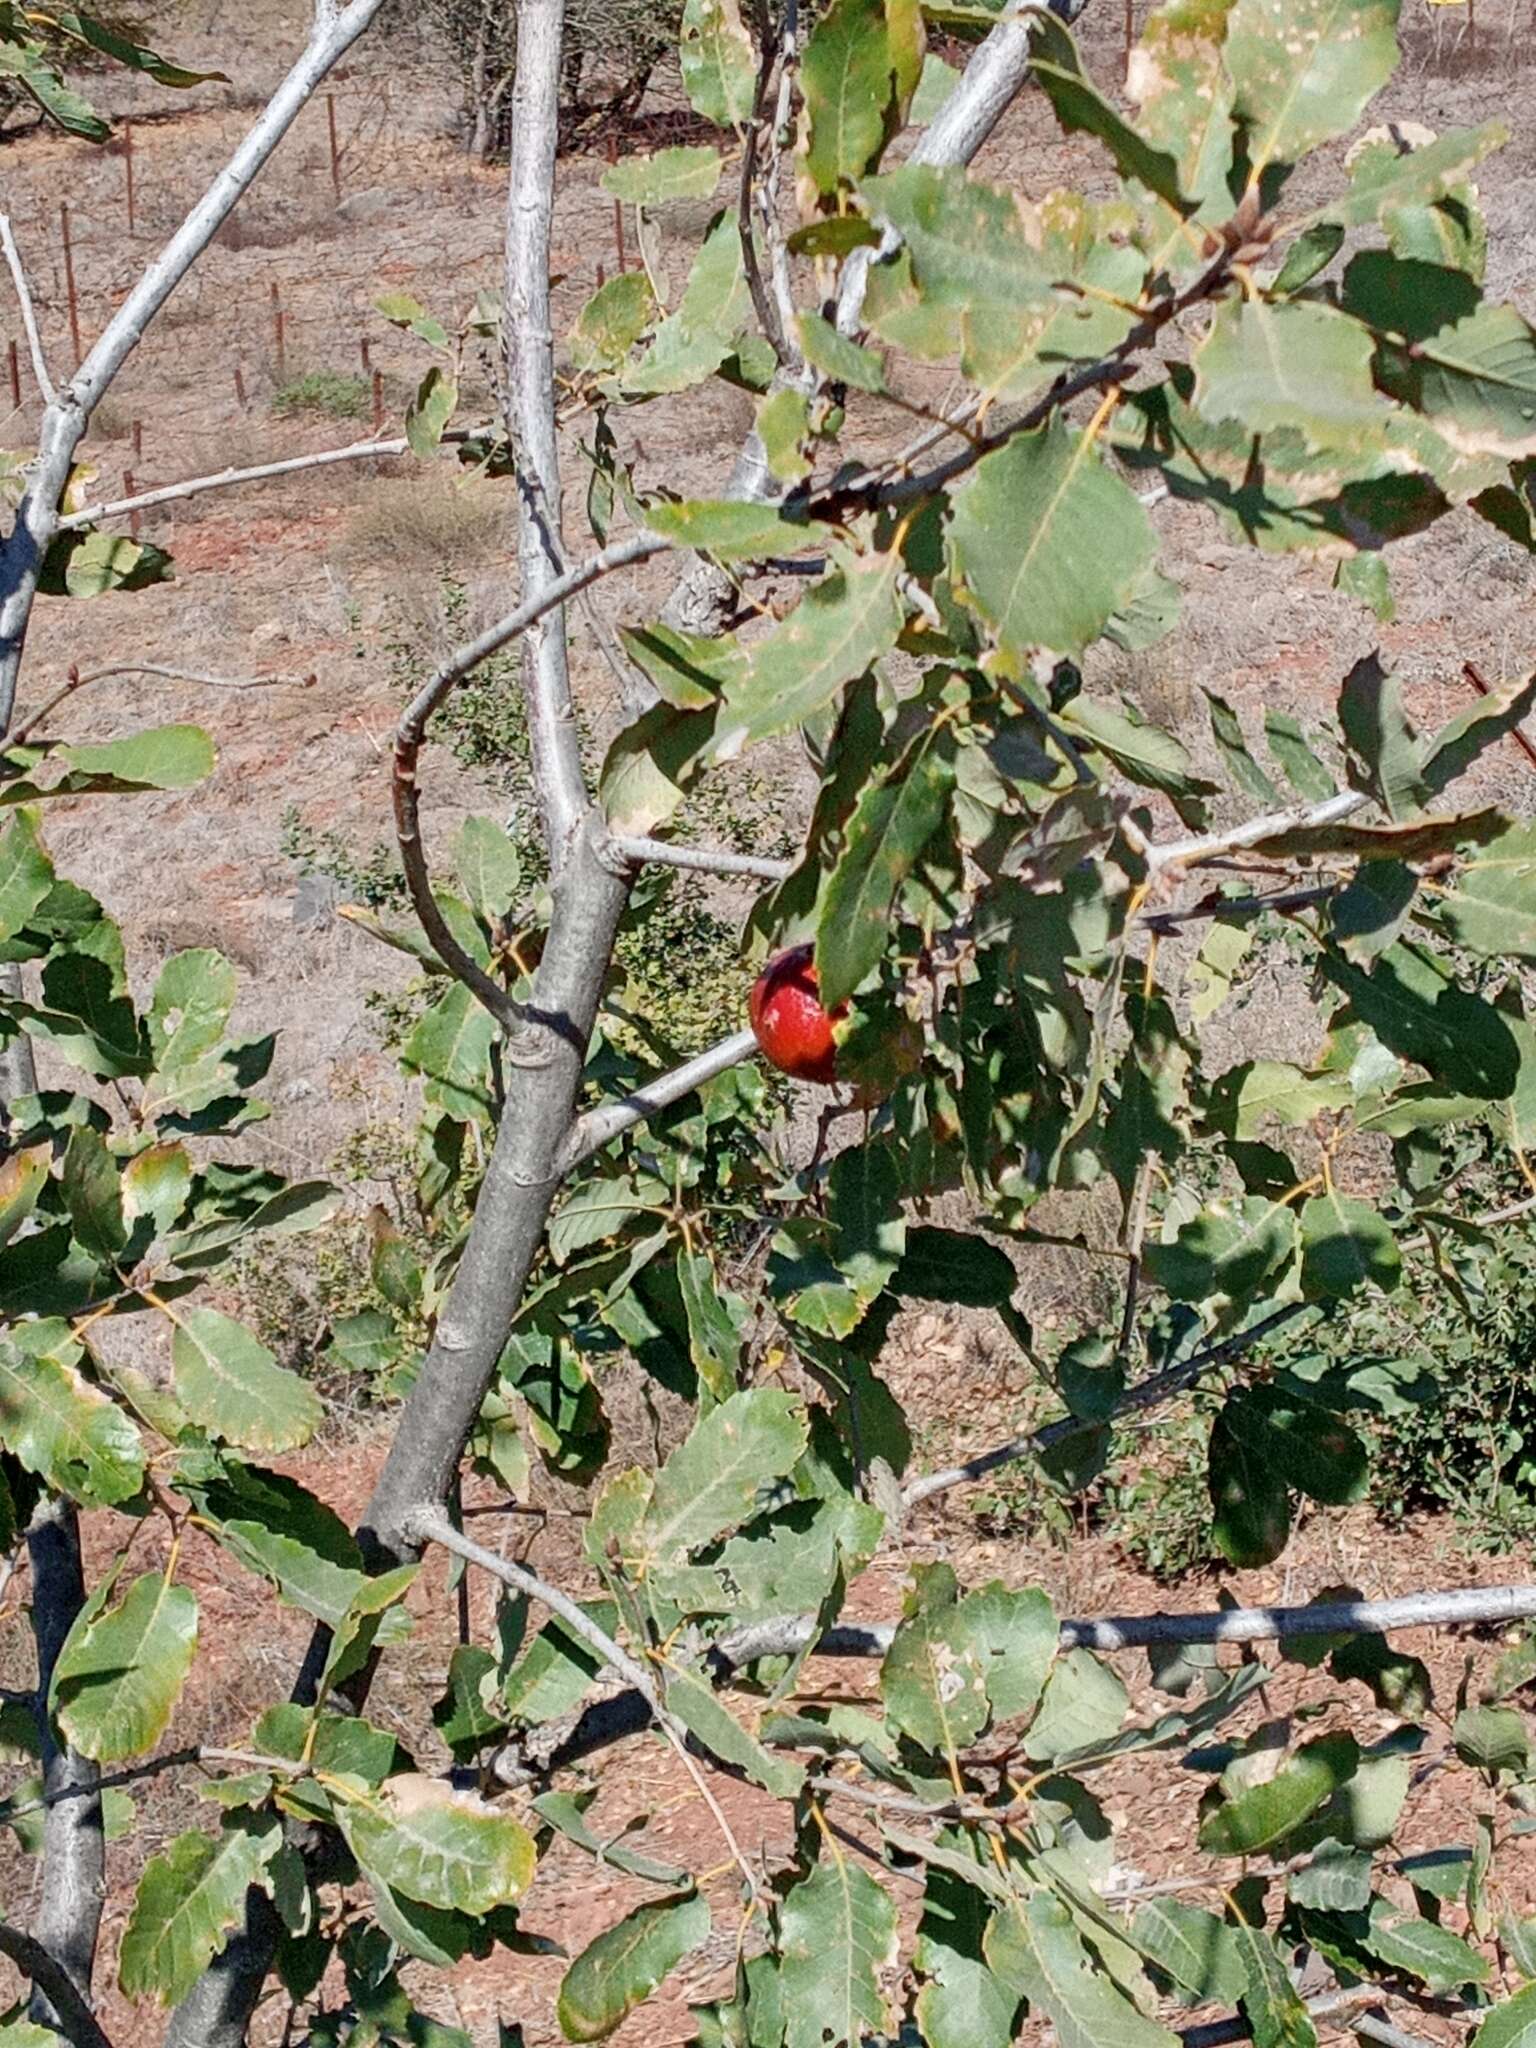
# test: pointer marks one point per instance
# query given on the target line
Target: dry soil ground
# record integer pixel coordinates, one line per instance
(313, 581)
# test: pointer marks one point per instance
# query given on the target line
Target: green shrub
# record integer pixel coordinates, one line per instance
(333, 394)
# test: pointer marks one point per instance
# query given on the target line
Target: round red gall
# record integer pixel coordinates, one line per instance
(789, 1021)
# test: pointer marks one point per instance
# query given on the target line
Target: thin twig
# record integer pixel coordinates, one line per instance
(1189, 853)
(433, 1526)
(77, 681)
(406, 792)
(1484, 688)
(172, 1759)
(230, 479)
(1147, 1394)
(28, 314)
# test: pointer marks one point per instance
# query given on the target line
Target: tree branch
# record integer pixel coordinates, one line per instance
(65, 419)
(77, 681)
(28, 313)
(1148, 1393)
(74, 1842)
(599, 1126)
(51, 1982)
(530, 369)
(1341, 2005)
(705, 860)
(228, 479)
(1190, 853)
(405, 788)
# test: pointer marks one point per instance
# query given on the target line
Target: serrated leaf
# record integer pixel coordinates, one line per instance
(839, 629)
(445, 1848)
(231, 1384)
(1048, 543)
(188, 1902)
(1421, 1948)
(58, 1425)
(119, 1673)
(1037, 1950)
(625, 1964)
(712, 1481)
(837, 1935)
(1304, 70)
(884, 840)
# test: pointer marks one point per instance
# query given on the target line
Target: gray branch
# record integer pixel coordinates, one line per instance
(64, 421)
(74, 1843)
(28, 312)
(704, 860)
(590, 1133)
(530, 367)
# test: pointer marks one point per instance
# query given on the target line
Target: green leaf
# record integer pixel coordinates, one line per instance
(1455, 747)
(1274, 2006)
(1014, 1637)
(1047, 542)
(962, 2004)
(715, 1324)
(612, 321)
(1252, 1503)
(93, 1194)
(1226, 1253)
(445, 1848)
(488, 868)
(1084, 1704)
(1262, 1814)
(1288, 365)
(718, 62)
(1510, 2025)
(952, 1265)
(1304, 69)
(693, 342)
(712, 1481)
(86, 563)
(896, 817)
(710, 1721)
(839, 629)
(1345, 1244)
(839, 359)
(119, 1673)
(401, 310)
(557, 1669)
(1473, 377)
(276, 1527)
(1489, 905)
(429, 412)
(783, 425)
(59, 1426)
(623, 1966)
(26, 873)
(1309, 1447)
(97, 35)
(853, 77)
(451, 1048)
(189, 1900)
(1227, 732)
(190, 1009)
(733, 530)
(932, 1677)
(685, 173)
(1421, 1948)
(837, 1935)
(1415, 1008)
(1082, 109)
(22, 1179)
(1492, 1738)
(232, 1385)
(170, 757)
(1295, 758)
(1038, 1952)
(1387, 176)
(1196, 1949)
(1381, 738)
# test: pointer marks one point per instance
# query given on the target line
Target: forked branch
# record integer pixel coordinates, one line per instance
(74, 2017)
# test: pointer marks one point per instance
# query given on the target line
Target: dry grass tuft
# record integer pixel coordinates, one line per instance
(431, 523)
